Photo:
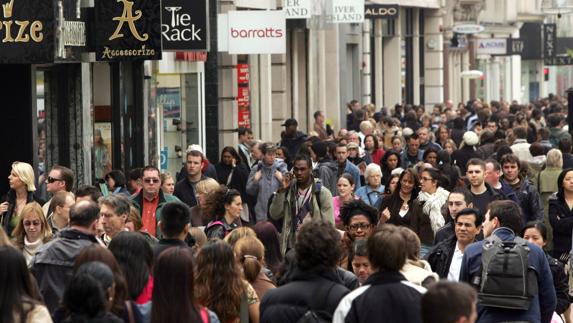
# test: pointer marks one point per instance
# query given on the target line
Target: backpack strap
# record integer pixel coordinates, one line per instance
(318, 188)
(204, 315)
(214, 223)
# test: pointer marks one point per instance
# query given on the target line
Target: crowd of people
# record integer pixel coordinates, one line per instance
(458, 214)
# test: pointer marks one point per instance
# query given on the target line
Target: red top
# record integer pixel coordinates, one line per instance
(146, 293)
(377, 155)
(148, 215)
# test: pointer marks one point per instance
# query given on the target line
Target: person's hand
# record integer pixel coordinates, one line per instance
(279, 175)
(3, 207)
(258, 175)
(234, 163)
(286, 179)
(385, 215)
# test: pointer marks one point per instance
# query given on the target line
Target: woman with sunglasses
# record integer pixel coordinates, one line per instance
(223, 208)
(430, 199)
(22, 188)
(32, 231)
(359, 220)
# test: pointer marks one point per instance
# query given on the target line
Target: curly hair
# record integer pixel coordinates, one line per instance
(358, 207)
(215, 201)
(219, 285)
(317, 246)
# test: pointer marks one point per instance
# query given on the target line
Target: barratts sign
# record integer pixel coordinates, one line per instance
(26, 31)
(128, 30)
(184, 25)
(256, 32)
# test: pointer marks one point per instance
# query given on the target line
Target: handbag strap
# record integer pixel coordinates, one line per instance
(129, 311)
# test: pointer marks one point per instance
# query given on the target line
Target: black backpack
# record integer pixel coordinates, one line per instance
(506, 279)
(316, 312)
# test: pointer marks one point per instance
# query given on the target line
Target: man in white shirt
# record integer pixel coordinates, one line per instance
(446, 257)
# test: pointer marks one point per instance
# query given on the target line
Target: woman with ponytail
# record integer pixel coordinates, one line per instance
(250, 254)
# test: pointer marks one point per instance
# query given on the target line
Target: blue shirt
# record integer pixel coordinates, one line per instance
(371, 197)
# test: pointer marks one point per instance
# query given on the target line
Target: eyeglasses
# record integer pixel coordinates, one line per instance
(151, 180)
(361, 226)
(35, 223)
(50, 179)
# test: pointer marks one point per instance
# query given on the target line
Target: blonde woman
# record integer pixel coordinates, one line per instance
(32, 231)
(203, 188)
(22, 188)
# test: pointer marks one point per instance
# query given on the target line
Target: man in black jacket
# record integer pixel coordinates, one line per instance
(174, 225)
(446, 257)
(53, 264)
(314, 286)
(527, 195)
(386, 295)
(459, 199)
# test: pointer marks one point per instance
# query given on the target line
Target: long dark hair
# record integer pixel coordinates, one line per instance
(173, 287)
(219, 283)
(395, 201)
(560, 179)
(540, 226)
(96, 252)
(214, 208)
(135, 258)
(233, 152)
(269, 236)
(17, 288)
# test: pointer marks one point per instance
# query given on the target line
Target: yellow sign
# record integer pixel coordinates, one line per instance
(127, 17)
(17, 31)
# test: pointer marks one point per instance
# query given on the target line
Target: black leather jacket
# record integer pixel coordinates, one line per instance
(440, 257)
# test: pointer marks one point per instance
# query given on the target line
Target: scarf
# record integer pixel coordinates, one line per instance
(433, 207)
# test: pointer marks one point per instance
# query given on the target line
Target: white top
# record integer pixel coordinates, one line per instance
(456, 264)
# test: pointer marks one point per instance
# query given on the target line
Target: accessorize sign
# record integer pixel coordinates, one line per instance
(184, 25)
(492, 46)
(26, 31)
(128, 30)
(252, 32)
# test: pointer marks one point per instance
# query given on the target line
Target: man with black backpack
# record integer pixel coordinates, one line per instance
(511, 275)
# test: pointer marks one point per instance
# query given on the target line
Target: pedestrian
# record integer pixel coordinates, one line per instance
(449, 302)
(59, 179)
(313, 288)
(245, 142)
(372, 147)
(345, 188)
(114, 210)
(430, 199)
(459, 199)
(32, 231)
(19, 298)
(291, 138)
(87, 193)
(119, 305)
(445, 258)
(482, 192)
(399, 207)
(134, 224)
(53, 263)
(345, 165)
(501, 221)
(151, 199)
(526, 193)
(60, 205)
(134, 179)
(389, 162)
(536, 233)
(416, 270)
(174, 289)
(203, 189)
(221, 287)
(186, 188)
(386, 294)
(299, 201)
(359, 220)
(466, 151)
(207, 168)
(250, 253)
(234, 174)
(326, 169)
(88, 295)
(265, 178)
(116, 182)
(360, 264)
(269, 236)
(174, 224)
(22, 188)
(223, 210)
(167, 183)
(373, 192)
(135, 257)
(412, 154)
(561, 215)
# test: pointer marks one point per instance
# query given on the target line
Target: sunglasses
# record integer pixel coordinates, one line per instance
(50, 179)
(151, 180)
(34, 223)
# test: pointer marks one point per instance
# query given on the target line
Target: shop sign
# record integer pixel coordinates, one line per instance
(184, 25)
(558, 60)
(71, 31)
(128, 30)
(252, 32)
(492, 46)
(243, 95)
(381, 11)
(256, 4)
(549, 40)
(297, 9)
(26, 31)
(515, 46)
(468, 29)
(347, 11)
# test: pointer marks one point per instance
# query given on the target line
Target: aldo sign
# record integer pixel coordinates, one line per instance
(128, 30)
(184, 25)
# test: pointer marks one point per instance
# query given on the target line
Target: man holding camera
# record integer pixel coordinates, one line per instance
(300, 201)
(265, 178)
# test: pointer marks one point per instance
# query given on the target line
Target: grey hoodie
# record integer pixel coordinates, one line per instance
(265, 187)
